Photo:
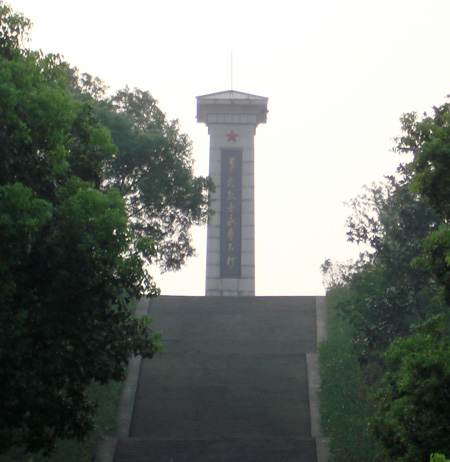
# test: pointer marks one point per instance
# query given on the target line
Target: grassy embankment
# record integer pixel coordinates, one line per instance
(345, 403)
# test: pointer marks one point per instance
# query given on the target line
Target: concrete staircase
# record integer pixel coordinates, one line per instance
(241, 450)
(231, 385)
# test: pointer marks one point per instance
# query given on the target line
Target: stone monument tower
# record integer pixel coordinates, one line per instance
(231, 117)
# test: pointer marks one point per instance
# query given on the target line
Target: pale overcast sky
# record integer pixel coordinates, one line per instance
(338, 76)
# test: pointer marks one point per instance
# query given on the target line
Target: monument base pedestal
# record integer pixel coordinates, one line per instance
(230, 287)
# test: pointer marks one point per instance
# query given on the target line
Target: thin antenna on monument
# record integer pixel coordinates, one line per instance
(231, 69)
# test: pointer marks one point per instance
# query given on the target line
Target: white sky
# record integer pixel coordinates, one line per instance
(338, 76)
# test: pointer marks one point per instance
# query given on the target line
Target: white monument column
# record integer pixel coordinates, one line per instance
(231, 118)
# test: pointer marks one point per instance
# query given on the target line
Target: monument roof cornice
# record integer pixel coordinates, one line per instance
(232, 95)
(231, 106)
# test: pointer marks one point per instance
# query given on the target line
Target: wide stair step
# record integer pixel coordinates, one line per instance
(233, 450)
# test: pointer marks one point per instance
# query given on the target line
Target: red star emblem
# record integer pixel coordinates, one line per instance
(232, 136)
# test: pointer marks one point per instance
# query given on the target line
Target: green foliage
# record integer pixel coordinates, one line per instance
(414, 403)
(345, 405)
(14, 28)
(105, 421)
(385, 296)
(46, 135)
(436, 258)
(152, 168)
(428, 140)
(67, 254)
(438, 458)
(413, 399)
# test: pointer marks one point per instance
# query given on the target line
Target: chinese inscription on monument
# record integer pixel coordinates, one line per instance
(231, 214)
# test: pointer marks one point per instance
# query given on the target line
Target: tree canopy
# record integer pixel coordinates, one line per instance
(396, 299)
(428, 140)
(152, 168)
(414, 396)
(74, 240)
(384, 297)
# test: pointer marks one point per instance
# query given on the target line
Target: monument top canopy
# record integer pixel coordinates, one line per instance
(238, 103)
(232, 95)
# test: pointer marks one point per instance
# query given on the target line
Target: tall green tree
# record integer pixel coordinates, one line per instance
(428, 140)
(382, 298)
(66, 259)
(397, 295)
(153, 169)
(413, 401)
(385, 296)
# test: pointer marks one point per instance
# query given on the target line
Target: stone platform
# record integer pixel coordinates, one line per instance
(236, 382)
